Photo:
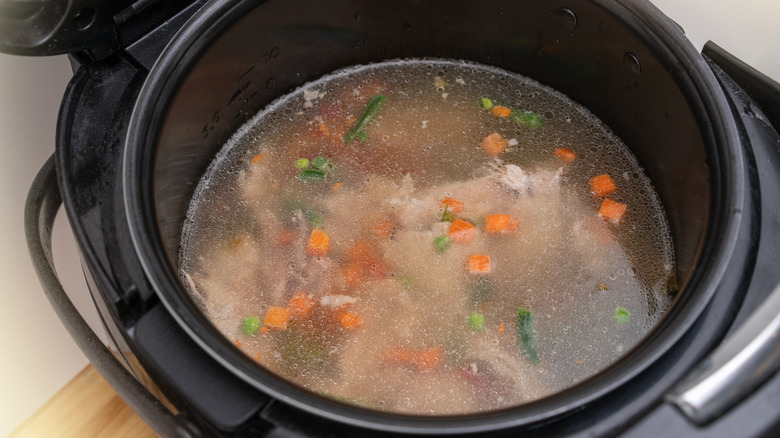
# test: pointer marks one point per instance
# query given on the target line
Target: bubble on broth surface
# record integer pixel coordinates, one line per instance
(393, 271)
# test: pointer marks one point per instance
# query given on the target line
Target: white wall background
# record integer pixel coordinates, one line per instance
(38, 357)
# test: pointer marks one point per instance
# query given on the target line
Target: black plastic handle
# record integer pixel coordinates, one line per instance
(43, 202)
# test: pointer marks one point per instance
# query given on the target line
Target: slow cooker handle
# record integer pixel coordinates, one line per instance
(43, 202)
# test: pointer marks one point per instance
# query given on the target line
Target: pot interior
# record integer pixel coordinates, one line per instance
(600, 54)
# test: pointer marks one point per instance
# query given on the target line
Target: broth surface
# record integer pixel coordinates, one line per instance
(455, 256)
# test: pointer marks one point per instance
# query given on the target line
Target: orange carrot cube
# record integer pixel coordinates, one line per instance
(352, 274)
(462, 231)
(277, 317)
(383, 228)
(452, 204)
(501, 224)
(319, 243)
(602, 185)
(501, 111)
(429, 359)
(257, 158)
(284, 238)
(494, 144)
(479, 264)
(612, 211)
(350, 320)
(566, 155)
(301, 305)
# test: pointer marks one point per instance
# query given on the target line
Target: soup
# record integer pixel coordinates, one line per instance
(428, 237)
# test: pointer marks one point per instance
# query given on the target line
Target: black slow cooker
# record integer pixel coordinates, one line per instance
(159, 86)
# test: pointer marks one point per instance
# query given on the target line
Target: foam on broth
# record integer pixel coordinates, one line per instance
(384, 318)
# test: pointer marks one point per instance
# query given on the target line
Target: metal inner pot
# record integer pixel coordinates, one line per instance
(624, 61)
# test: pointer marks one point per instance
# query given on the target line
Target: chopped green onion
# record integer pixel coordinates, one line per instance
(302, 163)
(322, 163)
(448, 216)
(311, 175)
(441, 243)
(313, 216)
(486, 103)
(251, 325)
(622, 316)
(528, 118)
(371, 109)
(525, 334)
(362, 136)
(477, 321)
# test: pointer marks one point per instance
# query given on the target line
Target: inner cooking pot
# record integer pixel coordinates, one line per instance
(623, 60)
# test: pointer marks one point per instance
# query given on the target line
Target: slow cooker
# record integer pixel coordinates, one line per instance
(159, 86)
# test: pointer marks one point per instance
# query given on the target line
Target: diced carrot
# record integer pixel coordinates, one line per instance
(501, 111)
(301, 305)
(319, 243)
(612, 211)
(425, 360)
(479, 264)
(277, 317)
(284, 238)
(257, 357)
(501, 328)
(494, 144)
(501, 224)
(352, 274)
(323, 128)
(362, 252)
(350, 320)
(452, 204)
(337, 186)
(462, 231)
(566, 155)
(264, 329)
(602, 185)
(238, 343)
(383, 228)
(257, 158)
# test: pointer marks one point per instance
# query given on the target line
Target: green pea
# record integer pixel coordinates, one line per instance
(251, 325)
(477, 322)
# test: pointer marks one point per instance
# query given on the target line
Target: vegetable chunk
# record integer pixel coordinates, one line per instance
(566, 155)
(462, 231)
(501, 224)
(612, 211)
(602, 185)
(501, 111)
(494, 144)
(301, 305)
(277, 317)
(479, 264)
(319, 243)
(424, 360)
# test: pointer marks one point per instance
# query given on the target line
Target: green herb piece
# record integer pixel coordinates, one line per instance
(313, 216)
(362, 136)
(322, 163)
(370, 112)
(251, 325)
(486, 102)
(528, 118)
(477, 321)
(441, 243)
(311, 175)
(481, 290)
(621, 315)
(448, 216)
(302, 163)
(525, 334)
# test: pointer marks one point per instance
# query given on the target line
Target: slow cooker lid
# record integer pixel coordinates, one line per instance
(142, 157)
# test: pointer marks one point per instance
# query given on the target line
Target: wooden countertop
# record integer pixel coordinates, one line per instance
(86, 407)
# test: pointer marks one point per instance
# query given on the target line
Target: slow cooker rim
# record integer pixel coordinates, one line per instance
(142, 222)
